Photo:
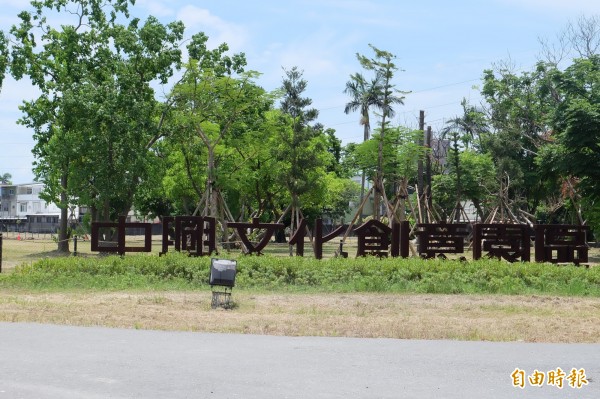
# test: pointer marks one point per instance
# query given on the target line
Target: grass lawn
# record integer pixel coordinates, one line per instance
(282, 296)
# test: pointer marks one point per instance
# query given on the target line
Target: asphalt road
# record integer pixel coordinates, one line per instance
(45, 361)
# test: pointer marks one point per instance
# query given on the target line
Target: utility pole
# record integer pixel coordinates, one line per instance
(428, 171)
(420, 163)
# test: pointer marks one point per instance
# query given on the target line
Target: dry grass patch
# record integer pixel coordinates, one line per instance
(477, 317)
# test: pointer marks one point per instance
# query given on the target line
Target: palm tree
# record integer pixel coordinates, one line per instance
(383, 66)
(471, 125)
(465, 128)
(364, 95)
(5, 178)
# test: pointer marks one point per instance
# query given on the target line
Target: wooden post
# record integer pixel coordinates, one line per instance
(477, 233)
(75, 246)
(404, 238)
(0, 252)
(540, 250)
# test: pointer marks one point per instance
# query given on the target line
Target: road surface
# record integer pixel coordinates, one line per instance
(46, 361)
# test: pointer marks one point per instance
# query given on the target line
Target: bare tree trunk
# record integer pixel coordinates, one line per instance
(213, 194)
(106, 210)
(376, 200)
(63, 235)
(403, 194)
(363, 175)
(94, 213)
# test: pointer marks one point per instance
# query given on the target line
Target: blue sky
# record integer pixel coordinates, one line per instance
(442, 47)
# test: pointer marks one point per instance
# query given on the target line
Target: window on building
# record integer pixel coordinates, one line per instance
(24, 190)
(23, 207)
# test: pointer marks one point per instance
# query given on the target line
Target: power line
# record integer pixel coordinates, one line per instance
(442, 86)
(416, 91)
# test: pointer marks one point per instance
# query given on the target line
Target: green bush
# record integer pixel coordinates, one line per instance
(178, 271)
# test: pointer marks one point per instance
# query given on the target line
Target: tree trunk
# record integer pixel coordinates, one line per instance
(363, 177)
(94, 213)
(479, 210)
(63, 234)
(213, 194)
(106, 210)
(403, 195)
(377, 199)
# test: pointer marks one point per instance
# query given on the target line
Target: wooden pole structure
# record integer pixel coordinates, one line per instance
(0, 252)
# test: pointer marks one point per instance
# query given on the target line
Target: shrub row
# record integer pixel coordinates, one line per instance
(177, 271)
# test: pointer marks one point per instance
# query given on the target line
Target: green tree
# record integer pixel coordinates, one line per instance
(6, 178)
(471, 125)
(520, 109)
(215, 103)
(384, 68)
(575, 149)
(301, 151)
(94, 77)
(364, 95)
(477, 182)
(249, 169)
(401, 153)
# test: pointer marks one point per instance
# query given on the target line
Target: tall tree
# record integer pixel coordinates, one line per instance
(364, 95)
(579, 39)
(302, 150)
(471, 125)
(574, 153)
(382, 64)
(477, 182)
(94, 76)
(214, 100)
(520, 108)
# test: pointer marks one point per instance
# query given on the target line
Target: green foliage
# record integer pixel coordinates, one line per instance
(578, 123)
(520, 108)
(384, 68)
(177, 271)
(401, 152)
(212, 112)
(94, 121)
(302, 150)
(573, 153)
(364, 95)
(112, 273)
(472, 126)
(477, 181)
(338, 196)
(5, 178)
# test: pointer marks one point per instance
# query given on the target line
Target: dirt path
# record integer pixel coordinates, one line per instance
(462, 317)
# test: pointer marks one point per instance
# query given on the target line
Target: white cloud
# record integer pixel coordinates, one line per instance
(218, 30)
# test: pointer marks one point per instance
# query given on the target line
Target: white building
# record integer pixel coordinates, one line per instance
(22, 209)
